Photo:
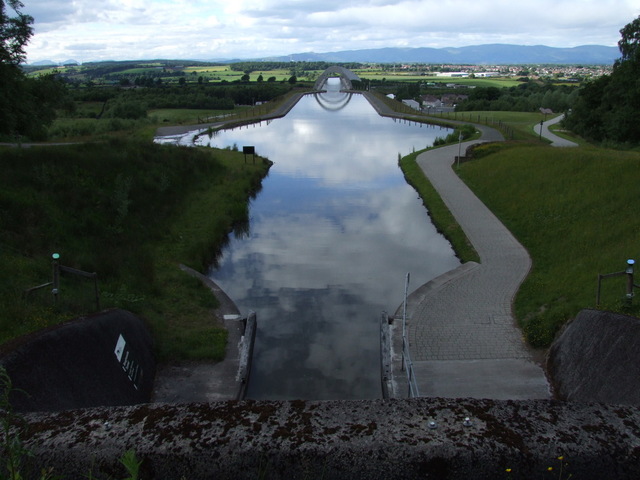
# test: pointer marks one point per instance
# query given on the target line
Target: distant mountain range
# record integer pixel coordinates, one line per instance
(45, 63)
(494, 54)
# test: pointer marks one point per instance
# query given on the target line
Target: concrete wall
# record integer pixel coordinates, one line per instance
(597, 359)
(343, 439)
(103, 359)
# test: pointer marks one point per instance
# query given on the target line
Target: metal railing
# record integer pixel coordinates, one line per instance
(630, 283)
(55, 282)
(407, 364)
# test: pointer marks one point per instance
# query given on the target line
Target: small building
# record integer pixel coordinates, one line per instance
(431, 101)
(412, 103)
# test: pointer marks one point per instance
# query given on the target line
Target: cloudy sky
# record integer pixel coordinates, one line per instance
(87, 30)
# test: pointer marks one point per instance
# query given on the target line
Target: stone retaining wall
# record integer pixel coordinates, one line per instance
(343, 439)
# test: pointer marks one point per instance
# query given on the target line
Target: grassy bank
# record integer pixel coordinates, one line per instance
(132, 212)
(571, 208)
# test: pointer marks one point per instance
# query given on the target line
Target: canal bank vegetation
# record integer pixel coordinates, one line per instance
(132, 212)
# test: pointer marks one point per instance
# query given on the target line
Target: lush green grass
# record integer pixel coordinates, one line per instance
(572, 209)
(186, 116)
(132, 212)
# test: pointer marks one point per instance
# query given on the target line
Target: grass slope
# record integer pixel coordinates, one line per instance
(132, 212)
(572, 209)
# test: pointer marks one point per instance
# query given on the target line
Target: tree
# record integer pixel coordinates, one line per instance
(15, 32)
(629, 43)
(26, 104)
(608, 109)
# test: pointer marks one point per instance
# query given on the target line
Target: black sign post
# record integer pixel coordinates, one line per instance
(249, 150)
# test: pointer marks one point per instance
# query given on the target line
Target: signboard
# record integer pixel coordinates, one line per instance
(128, 362)
(249, 150)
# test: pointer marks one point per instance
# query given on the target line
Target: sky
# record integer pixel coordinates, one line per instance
(93, 30)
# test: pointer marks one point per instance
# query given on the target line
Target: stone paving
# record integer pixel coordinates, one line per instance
(463, 338)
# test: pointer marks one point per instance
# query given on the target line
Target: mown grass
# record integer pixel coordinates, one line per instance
(572, 209)
(132, 212)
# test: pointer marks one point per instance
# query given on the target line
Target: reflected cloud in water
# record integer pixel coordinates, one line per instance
(332, 235)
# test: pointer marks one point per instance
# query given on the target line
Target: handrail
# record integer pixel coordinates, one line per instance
(407, 364)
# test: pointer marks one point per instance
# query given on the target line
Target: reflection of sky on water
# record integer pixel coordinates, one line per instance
(333, 233)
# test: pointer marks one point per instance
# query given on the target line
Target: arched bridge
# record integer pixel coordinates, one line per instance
(346, 77)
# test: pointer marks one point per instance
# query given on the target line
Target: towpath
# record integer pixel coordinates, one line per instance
(556, 141)
(462, 334)
(463, 337)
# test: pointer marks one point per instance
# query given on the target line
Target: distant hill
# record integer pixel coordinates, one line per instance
(43, 63)
(493, 54)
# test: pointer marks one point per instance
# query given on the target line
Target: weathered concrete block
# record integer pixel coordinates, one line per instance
(102, 359)
(596, 359)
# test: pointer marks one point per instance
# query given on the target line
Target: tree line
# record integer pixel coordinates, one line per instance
(528, 97)
(607, 110)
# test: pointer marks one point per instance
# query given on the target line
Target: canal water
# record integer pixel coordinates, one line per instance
(332, 235)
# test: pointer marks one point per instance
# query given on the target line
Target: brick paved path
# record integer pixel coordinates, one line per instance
(463, 338)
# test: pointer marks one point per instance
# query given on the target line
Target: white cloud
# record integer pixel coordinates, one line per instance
(248, 28)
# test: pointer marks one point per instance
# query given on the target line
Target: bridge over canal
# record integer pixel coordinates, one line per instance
(346, 77)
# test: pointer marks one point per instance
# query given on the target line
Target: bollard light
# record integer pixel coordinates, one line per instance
(630, 264)
(433, 425)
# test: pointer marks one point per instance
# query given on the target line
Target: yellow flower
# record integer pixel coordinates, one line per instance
(560, 457)
(508, 470)
(549, 469)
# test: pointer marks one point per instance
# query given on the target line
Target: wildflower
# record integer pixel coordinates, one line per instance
(549, 469)
(508, 470)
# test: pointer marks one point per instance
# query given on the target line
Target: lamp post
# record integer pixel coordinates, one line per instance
(541, 121)
(56, 276)
(459, 149)
(629, 272)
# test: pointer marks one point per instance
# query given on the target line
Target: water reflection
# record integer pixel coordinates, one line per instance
(333, 102)
(332, 235)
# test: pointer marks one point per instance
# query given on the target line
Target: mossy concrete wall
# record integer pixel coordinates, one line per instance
(373, 439)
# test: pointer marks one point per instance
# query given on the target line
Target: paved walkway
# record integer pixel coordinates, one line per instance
(463, 337)
(556, 141)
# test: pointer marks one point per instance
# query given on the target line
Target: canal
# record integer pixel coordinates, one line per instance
(332, 235)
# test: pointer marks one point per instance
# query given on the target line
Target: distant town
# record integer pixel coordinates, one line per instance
(571, 73)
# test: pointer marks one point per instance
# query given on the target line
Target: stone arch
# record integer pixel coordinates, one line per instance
(346, 77)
